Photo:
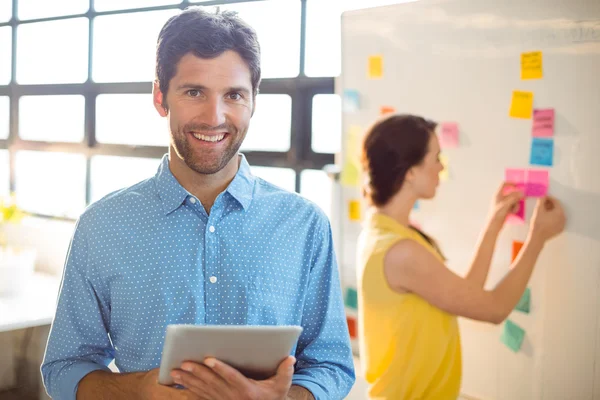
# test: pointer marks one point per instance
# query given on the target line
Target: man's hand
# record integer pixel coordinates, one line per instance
(215, 380)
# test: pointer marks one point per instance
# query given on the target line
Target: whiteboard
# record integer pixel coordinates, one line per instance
(460, 61)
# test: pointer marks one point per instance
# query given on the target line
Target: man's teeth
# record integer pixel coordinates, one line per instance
(213, 138)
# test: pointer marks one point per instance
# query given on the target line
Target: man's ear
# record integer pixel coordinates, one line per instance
(159, 100)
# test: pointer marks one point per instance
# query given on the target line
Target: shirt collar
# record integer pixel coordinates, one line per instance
(172, 194)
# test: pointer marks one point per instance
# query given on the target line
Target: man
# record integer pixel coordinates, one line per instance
(201, 242)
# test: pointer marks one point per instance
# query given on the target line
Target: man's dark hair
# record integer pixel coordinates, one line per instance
(206, 35)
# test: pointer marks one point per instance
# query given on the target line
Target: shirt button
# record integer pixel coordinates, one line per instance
(213, 279)
(192, 200)
(211, 229)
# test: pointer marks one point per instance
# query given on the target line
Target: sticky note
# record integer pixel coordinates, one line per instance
(351, 170)
(521, 105)
(512, 335)
(351, 298)
(352, 327)
(444, 174)
(542, 152)
(449, 135)
(531, 65)
(354, 210)
(386, 110)
(518, 217)
(516, 249)
(543, 123)
(375, 68)
(523, 304)
(350, 174)
(351, 100)
(515, 176)
(416, 205)
(537, 183)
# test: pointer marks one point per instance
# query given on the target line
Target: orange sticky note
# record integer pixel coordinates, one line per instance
(516, 248)
(531, 65)
(352, 328)
(387, 110)
(354, 210)
(375, 68)
(521, 105)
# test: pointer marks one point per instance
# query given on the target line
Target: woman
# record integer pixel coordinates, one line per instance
(408, 298)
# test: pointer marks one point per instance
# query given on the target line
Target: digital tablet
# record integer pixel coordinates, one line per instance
(255, 351)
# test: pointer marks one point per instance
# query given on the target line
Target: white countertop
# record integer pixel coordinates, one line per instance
(35, 306)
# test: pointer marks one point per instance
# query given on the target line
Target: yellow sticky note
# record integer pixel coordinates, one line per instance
(521, 105)
(444, 175)
(350, 174)
(351, 169)
(375, 70)
(354, 210)
(531, 65)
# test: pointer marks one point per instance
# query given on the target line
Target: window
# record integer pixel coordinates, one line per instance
(5, 54)
(50, 183)
(323, 33)
(130, 119)
(51, 118)
(285, 178)
(326, 123)
(4, 174)
(317, 187)
(109, 5)
(5, 10)
(277, 25)
(108, 173)
(124, 54)
(32, 9)
(4, 121)
(271, 125)
(52, 52)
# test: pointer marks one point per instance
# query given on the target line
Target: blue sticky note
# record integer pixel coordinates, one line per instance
(523, 304)
(416, 205)
(512, 335)
(542, 152)
(351, 299)
(351, 100)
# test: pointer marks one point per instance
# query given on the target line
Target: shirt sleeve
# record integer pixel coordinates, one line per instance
(78, 343)
(324, 356)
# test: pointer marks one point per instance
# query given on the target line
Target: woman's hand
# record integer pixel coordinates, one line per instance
(506, 201)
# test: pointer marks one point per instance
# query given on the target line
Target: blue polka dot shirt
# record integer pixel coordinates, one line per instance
(150, 255)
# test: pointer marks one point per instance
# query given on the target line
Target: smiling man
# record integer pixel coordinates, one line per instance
(201, 242)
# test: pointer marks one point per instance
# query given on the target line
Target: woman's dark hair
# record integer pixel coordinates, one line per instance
(391, 147)
(206, 35)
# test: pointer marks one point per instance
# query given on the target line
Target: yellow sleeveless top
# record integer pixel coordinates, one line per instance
(409, 349)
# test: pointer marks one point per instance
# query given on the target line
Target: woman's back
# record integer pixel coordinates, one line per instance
(409, 348)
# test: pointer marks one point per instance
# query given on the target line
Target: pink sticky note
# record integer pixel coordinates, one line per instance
(518, 217)
(537, 183)
(515, 176)
(543, 123)
(449, 135)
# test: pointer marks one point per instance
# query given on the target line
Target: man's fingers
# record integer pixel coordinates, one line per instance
(285, 371)
(230, 375)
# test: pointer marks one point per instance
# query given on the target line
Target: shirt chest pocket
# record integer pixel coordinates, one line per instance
(275, 298)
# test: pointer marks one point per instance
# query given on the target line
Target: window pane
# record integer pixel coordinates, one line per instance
(5, 54)
(5, 10)
(53, 52)
(125, 46)
(316, 186)
(130, 119)
(50, 183)
(4, 116)
(108, 5)
(271, 125)
(279, 36)
(326, 123)
(51, 110)
(32, 9)
(323, 33)
(107, 173)
(4, 174)
(285, 178)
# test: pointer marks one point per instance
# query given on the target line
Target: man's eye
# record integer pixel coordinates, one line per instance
(193, 93)
(235, 96)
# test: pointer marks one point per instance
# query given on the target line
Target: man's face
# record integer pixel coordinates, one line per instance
(209, 104)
